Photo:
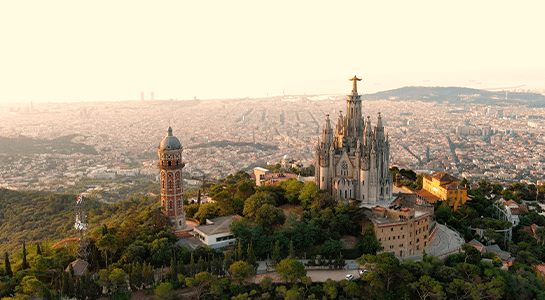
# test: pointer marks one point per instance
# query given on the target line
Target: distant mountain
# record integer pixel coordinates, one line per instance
(459, 95)
(28, 146)
(222, 144)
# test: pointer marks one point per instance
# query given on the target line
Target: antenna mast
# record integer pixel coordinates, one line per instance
(81, 226)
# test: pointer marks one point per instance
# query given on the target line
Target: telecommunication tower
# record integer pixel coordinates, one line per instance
(81, 226)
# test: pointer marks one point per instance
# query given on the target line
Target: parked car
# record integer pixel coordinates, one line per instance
(349, 277)
(363, 271)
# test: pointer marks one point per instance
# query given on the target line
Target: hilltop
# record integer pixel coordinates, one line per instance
(458, 95)
(28, 146)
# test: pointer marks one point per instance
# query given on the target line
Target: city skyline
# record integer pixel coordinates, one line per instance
(63, 51)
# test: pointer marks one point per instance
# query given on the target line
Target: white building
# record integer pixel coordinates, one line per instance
(216, 233)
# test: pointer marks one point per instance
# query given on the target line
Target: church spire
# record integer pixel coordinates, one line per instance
(379, 129)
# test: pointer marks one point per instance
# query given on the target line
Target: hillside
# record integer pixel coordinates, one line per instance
(28, 146)
(38, 217)
(458, 95)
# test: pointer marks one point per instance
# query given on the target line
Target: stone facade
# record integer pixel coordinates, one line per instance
(402, 231)
(171, 167)
(353, 159)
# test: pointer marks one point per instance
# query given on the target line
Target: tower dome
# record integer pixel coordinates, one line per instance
(170, 142)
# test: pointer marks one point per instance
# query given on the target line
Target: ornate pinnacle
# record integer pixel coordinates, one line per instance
(355, 79)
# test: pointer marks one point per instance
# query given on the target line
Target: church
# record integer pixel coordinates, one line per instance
(353, 159)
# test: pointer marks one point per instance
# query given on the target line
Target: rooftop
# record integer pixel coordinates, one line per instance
(217, 225)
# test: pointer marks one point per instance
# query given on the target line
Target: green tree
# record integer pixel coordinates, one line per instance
(465, 183)
(107, 243)
(135, 276)
(32, 286)
(387, 268)
(330, 289)
(207, 211)
(293, 188)
(369, 243)
(148, 274)
(427, 287)
(473, 256)
(164, 291)
(24, 265)
(269, 216)
(332, 248)
(276, 257)
(350, 289)
(118, 281)
(200, 282)
(256, 201)
(7, 265)
(241, 270)
(309, 191)
(290, 270)
(160, 252)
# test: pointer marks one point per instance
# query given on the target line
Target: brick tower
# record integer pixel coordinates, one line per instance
(171, 166)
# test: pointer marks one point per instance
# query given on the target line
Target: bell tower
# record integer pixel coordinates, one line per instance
(171, 166)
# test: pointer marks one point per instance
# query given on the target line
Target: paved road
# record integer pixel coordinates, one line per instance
(315, 275)
(446, 242)
(265, 266)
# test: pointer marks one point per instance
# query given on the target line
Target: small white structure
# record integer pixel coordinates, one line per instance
(216, 233)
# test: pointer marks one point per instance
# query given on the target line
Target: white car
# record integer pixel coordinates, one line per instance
(349, 277)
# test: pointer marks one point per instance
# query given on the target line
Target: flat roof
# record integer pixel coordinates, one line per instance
(218, 225)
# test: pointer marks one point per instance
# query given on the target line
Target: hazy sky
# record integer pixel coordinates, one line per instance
(113, 50)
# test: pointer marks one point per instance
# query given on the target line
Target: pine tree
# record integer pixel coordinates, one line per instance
(292, 251)
(135, 278)
(173, 275)
(148, 274)
(25, 263)
(7, 265)
(71, 270)
(181, 268)
(239, 253)
(250, 256)
(71, 288)
(38, 249)
(192, 266)
(276, 256)
(65, 284)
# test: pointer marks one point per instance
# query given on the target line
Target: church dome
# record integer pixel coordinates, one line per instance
(170, 142)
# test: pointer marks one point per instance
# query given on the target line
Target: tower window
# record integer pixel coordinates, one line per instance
(169, 163)
(170, 184)
(170, 204)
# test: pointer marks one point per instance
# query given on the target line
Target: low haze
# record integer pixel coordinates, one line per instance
(57, 51)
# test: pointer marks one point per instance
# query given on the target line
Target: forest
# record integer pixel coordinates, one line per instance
(133, 253)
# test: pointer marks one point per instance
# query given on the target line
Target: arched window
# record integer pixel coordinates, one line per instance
(170, 184)
(170, 204)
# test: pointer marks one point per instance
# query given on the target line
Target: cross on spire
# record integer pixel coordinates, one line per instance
(355, 79)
